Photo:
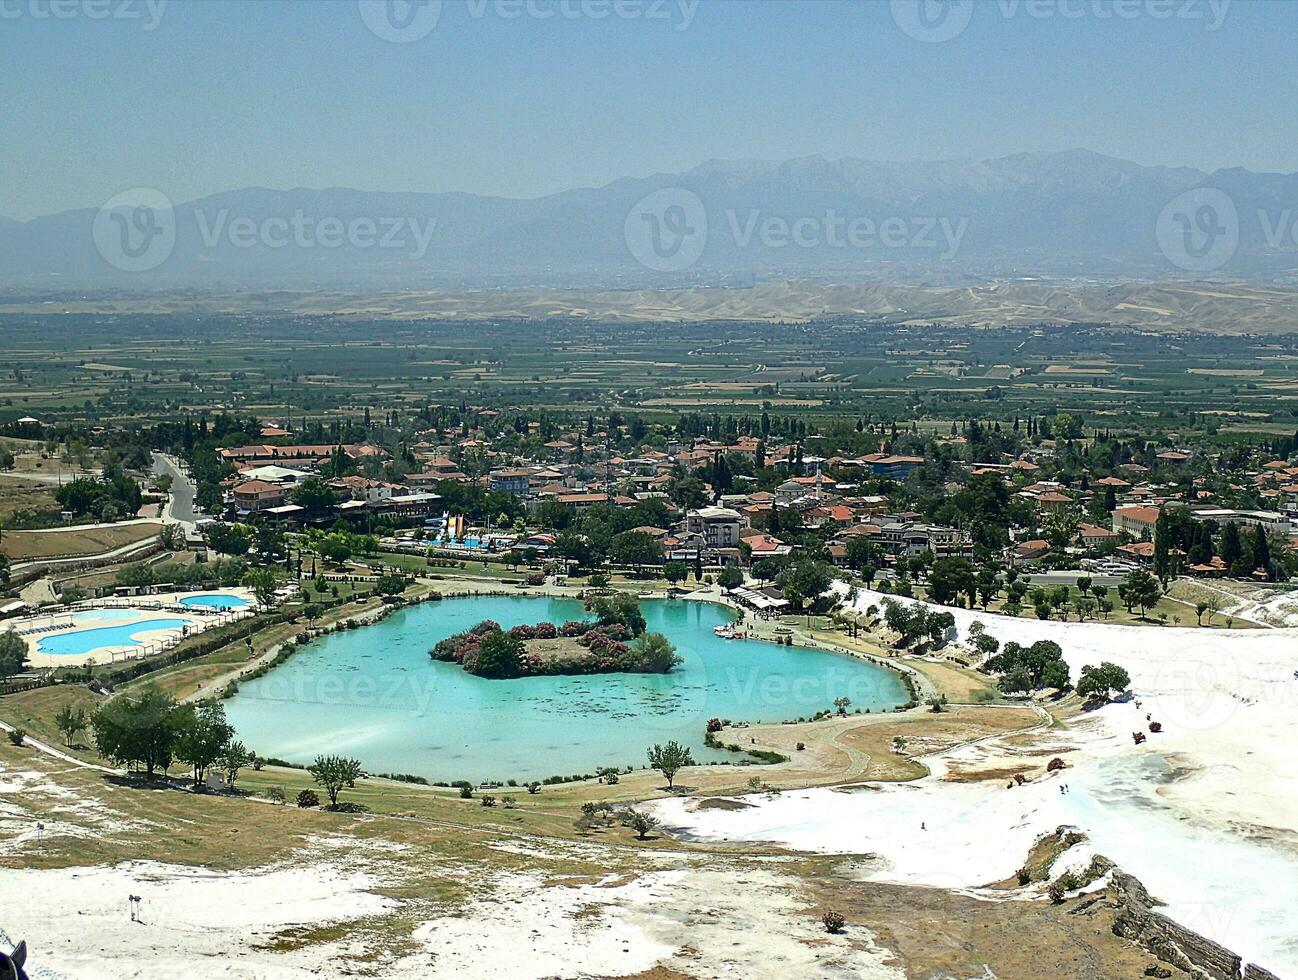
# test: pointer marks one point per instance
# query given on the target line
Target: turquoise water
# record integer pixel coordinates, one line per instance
(373, 693)
(84, 641)
(215, 601)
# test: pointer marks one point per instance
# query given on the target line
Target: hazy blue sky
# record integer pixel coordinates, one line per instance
(220, 95)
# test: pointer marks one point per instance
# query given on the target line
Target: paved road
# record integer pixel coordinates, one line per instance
(180, 504)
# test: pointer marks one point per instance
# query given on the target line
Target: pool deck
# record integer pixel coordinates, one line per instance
(100, 613)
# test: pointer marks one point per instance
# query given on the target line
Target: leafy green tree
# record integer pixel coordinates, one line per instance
(234, 758)
(139, 732)
(203, 735)
(499, 656)
(655, 653)
(391, 584)
(315, 497)
(670, 759)
(1104, 681)
(951, 577)
(805, 581)
(1140, 589)
(13, 654)
(617, 608)
(730, 577)
(70, 722)
(335, 773)
(636, 548)
(262, 582)
(642, 823)
(675, 571)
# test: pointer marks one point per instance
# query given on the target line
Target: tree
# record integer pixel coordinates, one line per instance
(841, 705)
(730, 578)
(1260, 550)
(499, 656)
(655, 653)
(636, 548)
(70, 722)
(1200, 608)
(227, 539)
(642, 823)
(805, 581)
(13, 654)
(1140, 589)
(675, 571)
(234, 758)
(316, 497)
(618, 608)
(203, 735)
(949, 578)
(138, 732)
(1102, 681)
(334, 773)
(670, 759)
(262, 583)
(390, 584)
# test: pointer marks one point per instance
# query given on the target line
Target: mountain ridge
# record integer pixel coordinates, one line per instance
(1068, 213)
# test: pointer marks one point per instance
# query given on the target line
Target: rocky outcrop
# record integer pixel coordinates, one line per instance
(1135, 919)
(1253, 972)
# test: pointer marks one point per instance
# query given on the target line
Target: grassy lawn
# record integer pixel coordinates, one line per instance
(24, 545)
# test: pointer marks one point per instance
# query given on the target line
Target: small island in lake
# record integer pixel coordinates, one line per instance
(614, 642)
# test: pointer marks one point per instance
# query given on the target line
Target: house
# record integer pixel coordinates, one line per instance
(765, 546)
(1031, 551)
(1091, 536)
(719, 526)
(1137, 521)
(890, 466)
(905, 537)
(515, 482)
(252, 496)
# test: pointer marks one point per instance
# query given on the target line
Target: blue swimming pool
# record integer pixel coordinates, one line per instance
(215, 600)
(85, 641)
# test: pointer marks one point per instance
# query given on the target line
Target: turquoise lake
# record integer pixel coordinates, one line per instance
(375, 694)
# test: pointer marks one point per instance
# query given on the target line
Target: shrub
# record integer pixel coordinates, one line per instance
(833, 921)
(466, 792)
(308, 798)
(802, 746)
(488, 801)
(641, 823)
(276, 795)
(17, 736)
(533, 788)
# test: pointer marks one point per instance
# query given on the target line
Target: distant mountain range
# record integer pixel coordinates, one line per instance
(1072, 214)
